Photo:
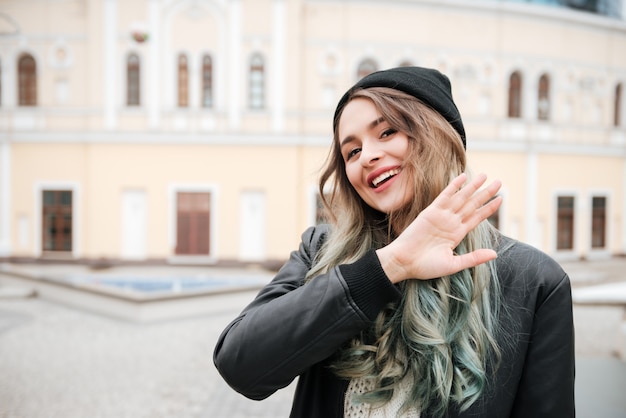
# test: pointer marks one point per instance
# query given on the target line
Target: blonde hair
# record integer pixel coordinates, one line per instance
(442, 331)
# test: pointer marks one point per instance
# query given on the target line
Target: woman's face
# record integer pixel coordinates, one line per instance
(374, 154)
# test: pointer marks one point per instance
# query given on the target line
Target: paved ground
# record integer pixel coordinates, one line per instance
(56, 361)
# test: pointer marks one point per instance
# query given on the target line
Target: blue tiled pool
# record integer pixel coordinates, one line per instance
(151, 285)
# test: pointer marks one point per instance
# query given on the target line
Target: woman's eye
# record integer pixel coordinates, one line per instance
(388, 132)
(352, 153)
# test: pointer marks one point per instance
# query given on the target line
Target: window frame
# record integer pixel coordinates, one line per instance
(206, 78)
(568, 216)
(366, 67)
(256, 82)
(602, 217)
(76, 190)
(133, 80)
(26, 80)
(62, 211)
(543, 98)
(515, 95)
(182, 80)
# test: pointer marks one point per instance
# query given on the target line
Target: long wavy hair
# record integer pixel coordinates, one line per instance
(441, 335)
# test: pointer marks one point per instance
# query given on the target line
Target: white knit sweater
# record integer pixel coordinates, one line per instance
(355, 409)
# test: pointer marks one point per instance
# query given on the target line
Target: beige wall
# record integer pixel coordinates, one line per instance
(103, 171)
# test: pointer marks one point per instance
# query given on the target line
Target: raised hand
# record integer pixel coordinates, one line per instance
(425, 249)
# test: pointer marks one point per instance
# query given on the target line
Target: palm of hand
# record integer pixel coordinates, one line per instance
(425, 249)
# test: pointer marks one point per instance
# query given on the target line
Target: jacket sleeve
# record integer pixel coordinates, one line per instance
(546, 388)
(290, 325)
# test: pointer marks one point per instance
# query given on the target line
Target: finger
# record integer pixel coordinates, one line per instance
(482, 213)
(491, 190)
(470, 188)
(454, 186)
(479, 199)
(448, 198)
(467, 192)
(473, 259)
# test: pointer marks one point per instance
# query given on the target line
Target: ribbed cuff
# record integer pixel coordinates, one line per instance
(369, 286)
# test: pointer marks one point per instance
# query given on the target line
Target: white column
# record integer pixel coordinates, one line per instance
(110, 85)
(9, 79)
(622, 103)
(154, 75)
(6, 81)
(531, 200)
(5, 198)
(221, 66)
(529, 98)
(234, 63)
(623, 217)
(279, 43)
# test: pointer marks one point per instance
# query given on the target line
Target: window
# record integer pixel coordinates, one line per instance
(133, 80)
(617, 108)
(543, 98)
(366, 67)
(207, 81)
(598, 222)
(192, 223)
(565, 223)
(27, 80)
(57, 220)
(257, 82)
(515, 95)
(183, 81)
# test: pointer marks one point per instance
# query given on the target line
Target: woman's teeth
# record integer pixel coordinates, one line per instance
(384, 177)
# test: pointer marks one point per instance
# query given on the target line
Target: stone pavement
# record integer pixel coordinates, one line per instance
(57, 361)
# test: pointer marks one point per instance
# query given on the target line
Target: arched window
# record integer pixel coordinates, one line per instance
(617, 108)
(183, 81)
(515, 95)
(366, 67)
(133, 80)
(257, 82)
(543, 98)
(27, 80)
(207, 81)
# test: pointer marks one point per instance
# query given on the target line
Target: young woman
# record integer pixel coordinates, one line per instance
(409, 303)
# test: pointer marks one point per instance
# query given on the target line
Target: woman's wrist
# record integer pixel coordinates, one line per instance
(394, 270)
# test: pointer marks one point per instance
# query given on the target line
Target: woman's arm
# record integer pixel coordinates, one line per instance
(290, 326)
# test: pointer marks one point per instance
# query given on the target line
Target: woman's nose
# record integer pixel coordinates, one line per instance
(370, 153)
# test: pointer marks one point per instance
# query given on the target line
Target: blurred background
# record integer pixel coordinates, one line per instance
(189, 135)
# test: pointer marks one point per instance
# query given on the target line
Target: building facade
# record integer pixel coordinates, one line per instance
(193, 131)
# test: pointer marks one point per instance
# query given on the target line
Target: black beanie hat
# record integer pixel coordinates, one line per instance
(428, 85)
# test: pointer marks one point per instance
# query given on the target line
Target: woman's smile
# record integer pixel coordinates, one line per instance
(381, 179)
(374, 154)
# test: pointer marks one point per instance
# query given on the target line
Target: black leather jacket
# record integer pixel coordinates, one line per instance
(291, 330)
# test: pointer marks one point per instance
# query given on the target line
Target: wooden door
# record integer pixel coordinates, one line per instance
(193, 223)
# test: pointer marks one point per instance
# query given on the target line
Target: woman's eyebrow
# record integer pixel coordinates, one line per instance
(346, 140)
(372, 125)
